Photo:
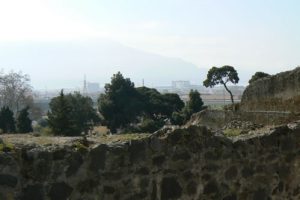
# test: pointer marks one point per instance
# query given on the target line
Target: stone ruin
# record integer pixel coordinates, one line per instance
(186, 163)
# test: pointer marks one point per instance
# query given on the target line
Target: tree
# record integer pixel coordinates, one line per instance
(15, 91)
(24, 122)
(59, 116)
(120, 104)
(83, 115)
(178, 118)
(71, 114)
(156, 104)
(195, 103)
(222, 75)
(172, 103)
(258, 75)
(7, 121)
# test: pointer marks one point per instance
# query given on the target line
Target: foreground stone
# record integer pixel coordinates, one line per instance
(187, 163)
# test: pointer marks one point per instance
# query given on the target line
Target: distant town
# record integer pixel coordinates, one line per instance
(210, 96)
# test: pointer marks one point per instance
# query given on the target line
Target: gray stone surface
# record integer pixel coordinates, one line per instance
(185, 163)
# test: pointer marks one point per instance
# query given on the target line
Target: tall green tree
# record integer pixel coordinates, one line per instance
(120, 104)
(258, 75)
(7, 120)
(24, 122)
(156, 104)
(59, 116)
(172, 103)
(195, 103)
(222, 75)
(83, 115)
(71, 114)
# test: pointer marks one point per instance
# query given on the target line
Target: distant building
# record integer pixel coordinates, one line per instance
(181, 84)
(93, 87)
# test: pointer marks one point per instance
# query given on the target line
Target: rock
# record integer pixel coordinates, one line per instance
(60, 191)
(211, 188)
(170, 188)
(191, 188)
(158, 160)
(8, 180)
(231, 173)
(33, 192)
(154, 191)
(260, 194)
(74, 162)
(136, 150)
(108, 189)
(97, 158)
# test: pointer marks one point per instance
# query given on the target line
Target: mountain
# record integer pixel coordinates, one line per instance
(63, 64)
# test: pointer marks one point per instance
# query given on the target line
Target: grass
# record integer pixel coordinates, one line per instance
(121, 137)
(230, 132)
(6, 147)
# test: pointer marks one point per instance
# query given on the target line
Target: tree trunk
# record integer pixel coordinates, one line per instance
(231, 96)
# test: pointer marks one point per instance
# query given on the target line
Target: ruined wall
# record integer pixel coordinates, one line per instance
(188, 163)
(217, 119)
(280, 92)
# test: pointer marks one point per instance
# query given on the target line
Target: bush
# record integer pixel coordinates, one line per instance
(150, 125)
(178, 118)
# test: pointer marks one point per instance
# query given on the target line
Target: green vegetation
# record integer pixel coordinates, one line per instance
(232, 132)
(195, 104)
(6, 147)
(24, 122)
(136, 109)
(258, 75)
(7, 121)
(120, 105)
(222, 75)
(71, 115)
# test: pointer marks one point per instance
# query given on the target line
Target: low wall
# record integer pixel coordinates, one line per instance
(189, 163)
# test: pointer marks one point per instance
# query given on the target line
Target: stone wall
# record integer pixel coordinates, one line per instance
(280, 92)
(187, 163)
(217, 119)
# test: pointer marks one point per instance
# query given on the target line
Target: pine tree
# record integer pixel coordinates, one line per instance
(7, 121)
(195, 103)
(59, 116)
(24, 122)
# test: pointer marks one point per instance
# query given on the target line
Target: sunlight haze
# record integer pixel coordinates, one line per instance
(249, 35)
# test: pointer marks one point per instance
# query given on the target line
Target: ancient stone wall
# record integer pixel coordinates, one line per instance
(217, 119)
(280, 92)
(189, 163)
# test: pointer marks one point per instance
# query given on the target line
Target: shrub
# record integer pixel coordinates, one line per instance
(150, 125)
(178, 118)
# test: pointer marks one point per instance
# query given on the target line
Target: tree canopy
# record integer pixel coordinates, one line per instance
(222, 75)
(123, 105)
(59, 117)
(258, 75)
(7, 120)
(195, 103)
(71, 114)
(24, 122)
(156, 104)
(15, 91)
(120, 104)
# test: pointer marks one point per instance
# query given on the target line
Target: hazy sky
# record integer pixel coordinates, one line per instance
(258, 34)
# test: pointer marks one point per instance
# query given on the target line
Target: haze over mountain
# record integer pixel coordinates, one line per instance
(63, 64)
(55, 65)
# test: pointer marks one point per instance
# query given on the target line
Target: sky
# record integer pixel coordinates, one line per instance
(251, 35)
